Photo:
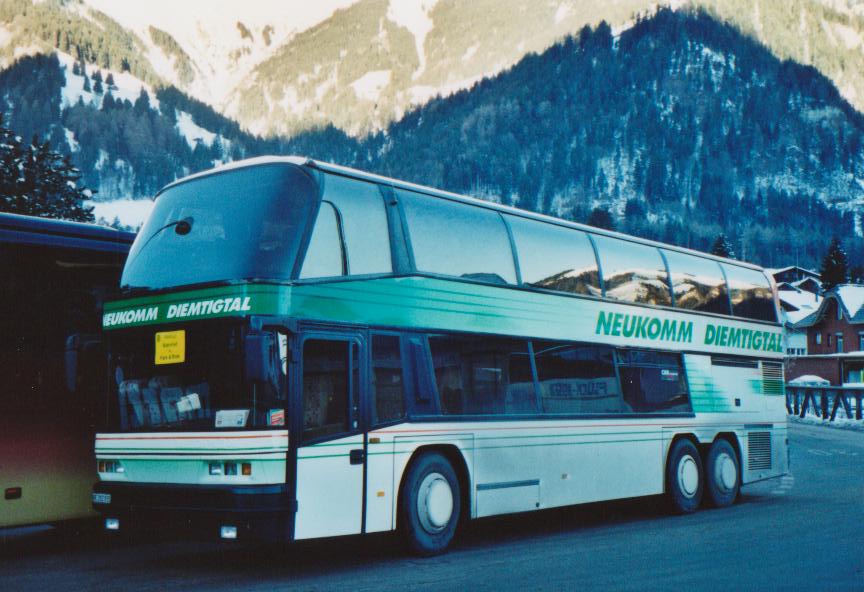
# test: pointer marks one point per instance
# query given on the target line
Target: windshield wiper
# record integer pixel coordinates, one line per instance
(181, 227)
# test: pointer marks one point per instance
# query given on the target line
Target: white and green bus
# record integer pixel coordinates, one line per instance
(304, 350)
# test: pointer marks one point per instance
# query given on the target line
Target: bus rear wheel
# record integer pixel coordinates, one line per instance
(723, 475)
(684, 477)
(429, 504)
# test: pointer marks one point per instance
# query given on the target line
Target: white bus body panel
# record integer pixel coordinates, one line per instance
(329, 489)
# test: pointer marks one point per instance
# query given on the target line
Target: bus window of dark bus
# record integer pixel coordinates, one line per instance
(46, 432)
(223, 376)
(238, 224)
(50, 294)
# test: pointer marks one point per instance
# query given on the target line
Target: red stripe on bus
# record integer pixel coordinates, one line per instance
(186, 437)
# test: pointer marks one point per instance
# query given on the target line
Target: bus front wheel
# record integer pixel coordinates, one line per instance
(684, 477)
(723, 475)
(430, 504)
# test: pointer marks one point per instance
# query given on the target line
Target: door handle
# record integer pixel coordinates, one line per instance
(357, 456)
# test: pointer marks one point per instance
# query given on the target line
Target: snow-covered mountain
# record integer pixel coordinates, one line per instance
(207, 48)
(279, 68)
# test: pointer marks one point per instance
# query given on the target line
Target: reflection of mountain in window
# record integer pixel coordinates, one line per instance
(633, 272)
(698, 284)
(555, 257)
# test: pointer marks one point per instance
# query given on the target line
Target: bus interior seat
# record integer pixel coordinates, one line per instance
(203, 392)
(169, 396)
(129, 393)
(152, 410)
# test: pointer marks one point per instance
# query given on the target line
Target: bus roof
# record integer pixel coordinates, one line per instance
(399, 184)
(30, 230)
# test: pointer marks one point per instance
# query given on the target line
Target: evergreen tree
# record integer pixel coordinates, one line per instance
(856, 274)
(601, 218)
(36, 181)
(722, 248)
(835, 266)
(142, 103)
(97, 82)
(86, 82)
(109, 81)
(75, 69)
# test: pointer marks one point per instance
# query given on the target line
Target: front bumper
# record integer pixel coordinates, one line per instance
(260, 512)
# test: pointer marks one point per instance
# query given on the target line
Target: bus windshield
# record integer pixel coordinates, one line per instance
(233, 225)
(203, 387)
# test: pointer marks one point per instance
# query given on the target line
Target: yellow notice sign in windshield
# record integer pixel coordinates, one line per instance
(171, 347)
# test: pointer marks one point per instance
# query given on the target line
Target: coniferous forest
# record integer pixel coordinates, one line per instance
(679, 129)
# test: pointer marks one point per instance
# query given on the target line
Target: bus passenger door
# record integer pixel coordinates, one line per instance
(331, 455)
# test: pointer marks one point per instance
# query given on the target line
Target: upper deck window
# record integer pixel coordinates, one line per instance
(456, 239)
(324, 257)
(238, 224)
(554, 257)
(633, 272)
(750, 293)
(364, 223)
(697, 283)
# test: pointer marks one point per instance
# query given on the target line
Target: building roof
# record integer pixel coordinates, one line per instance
(798, 304)
(850, 298)
(803, 270)
(807, 280)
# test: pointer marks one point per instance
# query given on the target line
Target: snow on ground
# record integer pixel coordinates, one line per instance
(370, 85)
(414, 16)
(851, 38)
(70, 139)
(192, 131)
(809, 379)
(562, 12)
(130, 212)
(126, 86)
(469, 53)
(421, 94)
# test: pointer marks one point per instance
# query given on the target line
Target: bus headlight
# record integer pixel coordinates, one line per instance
(110, 466)
(229, 469)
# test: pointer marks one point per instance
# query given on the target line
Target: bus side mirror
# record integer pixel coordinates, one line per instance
(260, 348)
(73, 345)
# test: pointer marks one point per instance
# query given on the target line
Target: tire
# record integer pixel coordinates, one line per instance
(722, 475)
(430, 504)
(684, 477)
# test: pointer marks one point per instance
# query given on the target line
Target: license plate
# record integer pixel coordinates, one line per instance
(101, 498)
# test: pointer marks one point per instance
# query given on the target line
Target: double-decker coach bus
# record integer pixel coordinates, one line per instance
(306, 350)
(55, 275)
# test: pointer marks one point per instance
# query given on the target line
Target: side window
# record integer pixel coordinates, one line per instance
(750, 293)
(326, 384)
(364, 223)
(482, 375)
(653, 382)
(324, 256)
(388, 381)
(554, 257)
(456, 239)
(698, 283)
(577, 378)
(633, 272)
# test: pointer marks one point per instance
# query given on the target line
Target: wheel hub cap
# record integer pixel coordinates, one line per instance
(688, 476)
(435, 503)
(725, 473)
